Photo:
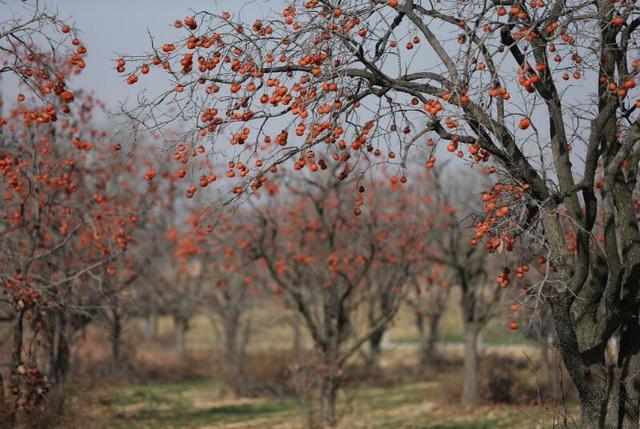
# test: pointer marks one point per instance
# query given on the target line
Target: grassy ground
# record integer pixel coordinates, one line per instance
(201, 404)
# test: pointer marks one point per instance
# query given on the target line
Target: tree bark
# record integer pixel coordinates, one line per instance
(58, 350)
(596, 382)
(629, 379)
(609, 396)
(328, 396)
(375, 348)
(429, 342)
(3, 404)
(471, 365)
(234, 355)
(297, 338)
(150, 325)
(155, 321)
(62, 354)
(593, 410)
(116, 333)
(182, 327)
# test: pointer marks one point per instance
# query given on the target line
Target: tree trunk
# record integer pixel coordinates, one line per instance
(629, 378)
(609, 396)
(58, 356)
(234, 356)
(590, 377)
(471, 365)
(375, 348)
(297, 338)
(182, 327)
(593, 408)
(62, 355)
(7, 416)
(3, 404)
(429, 343)
(150, 325)
(328, 396)
(116, 333)
(155, 322)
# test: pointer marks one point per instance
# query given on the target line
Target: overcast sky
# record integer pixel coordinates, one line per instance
(109, 27)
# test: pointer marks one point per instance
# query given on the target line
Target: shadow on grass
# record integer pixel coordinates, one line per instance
(185, 416)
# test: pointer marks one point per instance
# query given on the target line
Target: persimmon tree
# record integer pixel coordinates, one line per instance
(430, 284)
(60, 227)
(401, 253)
(175, 287)
(60, 224)
(36, 48)
(113, 298)
(205, 268)
(428, 299)
(222, 254)
(178, 285)
(321, 256)
(540, 93)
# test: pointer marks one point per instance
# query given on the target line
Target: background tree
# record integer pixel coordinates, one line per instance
(428, 300)
(220, 259)
(319, 254)
(400, 252)
(235, 286)
(470, 270)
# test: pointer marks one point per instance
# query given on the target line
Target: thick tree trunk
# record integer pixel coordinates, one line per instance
(608, 388)
(471, 365)
(609, 397)
(593, 410)
(629, 378)
(328, 396)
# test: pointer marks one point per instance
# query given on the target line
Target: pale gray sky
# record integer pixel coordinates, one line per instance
(109, 27)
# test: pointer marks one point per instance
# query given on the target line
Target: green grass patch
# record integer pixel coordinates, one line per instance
(197, 404)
